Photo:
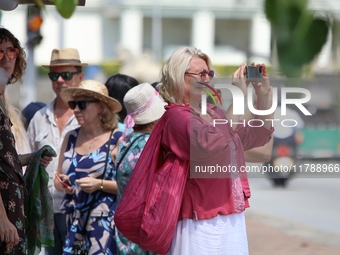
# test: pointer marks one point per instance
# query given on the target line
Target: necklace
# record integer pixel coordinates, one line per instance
(91, 143)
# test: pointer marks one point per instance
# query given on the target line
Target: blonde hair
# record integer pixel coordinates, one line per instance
(18, 129)
(172, 84)
(109, 120)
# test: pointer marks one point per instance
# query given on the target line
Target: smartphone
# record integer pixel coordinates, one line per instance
(254, 73)
(64, 183)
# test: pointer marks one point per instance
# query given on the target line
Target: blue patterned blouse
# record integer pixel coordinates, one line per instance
(78, 166)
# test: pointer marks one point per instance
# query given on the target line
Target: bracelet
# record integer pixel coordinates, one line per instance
(101, 186)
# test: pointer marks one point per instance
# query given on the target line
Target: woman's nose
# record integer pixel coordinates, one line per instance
(207, 78)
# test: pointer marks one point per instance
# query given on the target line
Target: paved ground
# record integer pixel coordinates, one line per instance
(268, 235)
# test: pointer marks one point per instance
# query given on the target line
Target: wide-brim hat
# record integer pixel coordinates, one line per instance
(65, 57)
(144, 104)
(94, 89)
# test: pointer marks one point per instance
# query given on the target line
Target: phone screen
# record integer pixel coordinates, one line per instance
(253, 74)
(64, 183)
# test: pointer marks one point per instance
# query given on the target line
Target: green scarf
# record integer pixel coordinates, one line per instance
(39, 213)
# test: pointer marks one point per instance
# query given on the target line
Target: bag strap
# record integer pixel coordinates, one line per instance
(107, 152)
(128, 148)
(106, 160)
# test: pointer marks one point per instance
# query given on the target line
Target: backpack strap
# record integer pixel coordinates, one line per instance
(128, 148)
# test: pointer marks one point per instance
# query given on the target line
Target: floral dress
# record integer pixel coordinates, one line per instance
(98, 207)
(124, 171)
(11, 186)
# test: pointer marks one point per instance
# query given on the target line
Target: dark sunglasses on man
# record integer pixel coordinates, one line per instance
(54, 76)
(82, 104)
(11, 53)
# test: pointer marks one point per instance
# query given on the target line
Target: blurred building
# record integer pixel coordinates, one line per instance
(231, 32)
(141, 34)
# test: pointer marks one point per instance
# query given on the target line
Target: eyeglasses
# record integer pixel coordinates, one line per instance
(211, 73)
(81, 104)
(11, 53)
(54, 76)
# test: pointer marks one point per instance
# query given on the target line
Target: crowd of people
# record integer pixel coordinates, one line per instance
(99, 131)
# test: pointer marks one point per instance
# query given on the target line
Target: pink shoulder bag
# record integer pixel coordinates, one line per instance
(148, 211)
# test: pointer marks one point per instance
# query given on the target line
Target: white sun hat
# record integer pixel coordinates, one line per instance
(143, 105)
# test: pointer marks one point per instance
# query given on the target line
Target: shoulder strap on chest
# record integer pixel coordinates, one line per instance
(128, 148)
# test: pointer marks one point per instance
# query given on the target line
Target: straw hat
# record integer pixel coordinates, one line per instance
(144, 104)
(94, 89)
(65, 57)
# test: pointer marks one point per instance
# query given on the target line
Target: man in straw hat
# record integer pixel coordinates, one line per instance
(50, 124)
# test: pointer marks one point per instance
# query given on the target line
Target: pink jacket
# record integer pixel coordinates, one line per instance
(193, 139)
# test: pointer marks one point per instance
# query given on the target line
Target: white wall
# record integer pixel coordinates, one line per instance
(82, 31)
(15, 21)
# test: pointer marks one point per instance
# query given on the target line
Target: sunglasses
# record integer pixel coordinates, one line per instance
(11, 53)
(54, 76)
(81, 104)
(204, 73)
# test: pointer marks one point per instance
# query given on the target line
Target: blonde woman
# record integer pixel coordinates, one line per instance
(18, 130)
(211, 217)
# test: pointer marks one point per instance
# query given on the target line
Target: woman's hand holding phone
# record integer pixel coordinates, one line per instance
(65, 183)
